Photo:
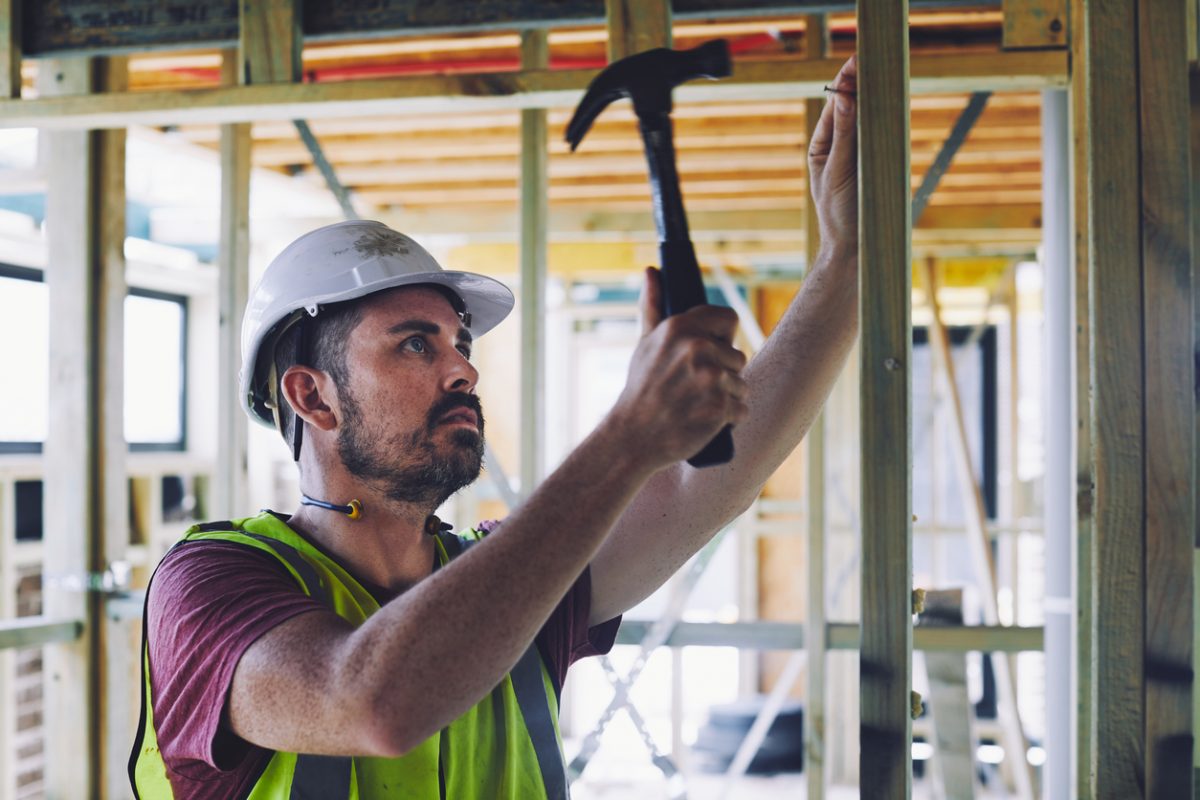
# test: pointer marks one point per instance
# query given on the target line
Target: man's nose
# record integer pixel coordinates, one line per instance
(462, 375)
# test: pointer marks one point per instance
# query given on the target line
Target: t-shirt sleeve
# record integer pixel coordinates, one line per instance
(566, 637)
(209, 602)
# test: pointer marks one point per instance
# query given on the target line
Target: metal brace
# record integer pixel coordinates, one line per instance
(656, 636)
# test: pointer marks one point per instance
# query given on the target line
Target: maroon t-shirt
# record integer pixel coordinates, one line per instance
(210, 602)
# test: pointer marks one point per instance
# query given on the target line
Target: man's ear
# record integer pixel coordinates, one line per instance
(312, 395)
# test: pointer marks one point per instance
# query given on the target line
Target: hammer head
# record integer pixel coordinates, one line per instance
(647, 79)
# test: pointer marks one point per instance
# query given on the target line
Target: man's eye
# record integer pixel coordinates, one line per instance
(416, 344)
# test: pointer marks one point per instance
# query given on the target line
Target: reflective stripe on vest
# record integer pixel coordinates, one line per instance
(510, 764)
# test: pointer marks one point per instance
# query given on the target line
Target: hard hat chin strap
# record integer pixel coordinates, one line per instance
(302, 347)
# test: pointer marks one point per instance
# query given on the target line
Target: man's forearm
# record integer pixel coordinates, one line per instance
(433, 652)
(789, 379)
(792, 376)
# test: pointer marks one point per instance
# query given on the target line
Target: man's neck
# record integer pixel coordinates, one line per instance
(387, 545)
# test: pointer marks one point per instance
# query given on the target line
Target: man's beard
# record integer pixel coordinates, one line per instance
(408, 468)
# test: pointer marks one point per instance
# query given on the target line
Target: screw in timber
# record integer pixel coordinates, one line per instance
(892, 364)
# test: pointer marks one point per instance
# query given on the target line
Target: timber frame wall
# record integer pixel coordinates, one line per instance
(1135, 323)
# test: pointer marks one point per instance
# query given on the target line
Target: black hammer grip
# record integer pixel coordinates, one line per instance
(683, 288)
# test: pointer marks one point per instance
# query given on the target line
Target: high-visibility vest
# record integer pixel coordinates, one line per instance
(506, 746)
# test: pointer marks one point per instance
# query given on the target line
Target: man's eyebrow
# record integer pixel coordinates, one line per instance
(425, 326)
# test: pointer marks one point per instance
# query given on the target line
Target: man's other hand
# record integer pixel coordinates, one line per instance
(833, 163)
(685, 380)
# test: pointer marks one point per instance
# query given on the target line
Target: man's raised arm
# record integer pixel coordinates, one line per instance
(681, 508)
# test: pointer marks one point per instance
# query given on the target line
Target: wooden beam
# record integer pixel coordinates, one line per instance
(817, 44)
(1170, 477)
(269, 41)
(1035, 24)
(885, 297)
(86, 518)
(527, 89)
(118, 673)
(636, 25)
(231, 478)
(1083, 660)
(535, 53)
(10, 48)
(1114, 233)
(73, 27)
(1194, 131)
(841, 636)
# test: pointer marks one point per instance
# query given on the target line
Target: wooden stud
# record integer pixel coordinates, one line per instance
(1194, 131)
(1170, 479)
(817, 39)
(1083, 661)
(86, 516)
(118, 674)
(269, 41)
(885, 296)
(10, 48)
(230, 481)
(1035, 24)
(1193, 41)
(637, 25)
(1118, 446)
(535, 54)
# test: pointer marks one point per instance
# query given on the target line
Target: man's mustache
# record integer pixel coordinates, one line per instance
(451, 402)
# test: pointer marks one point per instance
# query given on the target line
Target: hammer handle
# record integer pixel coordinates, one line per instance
(683, 288)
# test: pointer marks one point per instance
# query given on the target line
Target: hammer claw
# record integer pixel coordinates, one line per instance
(647, 79)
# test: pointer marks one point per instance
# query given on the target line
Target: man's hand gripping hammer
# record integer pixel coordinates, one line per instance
(647, 79)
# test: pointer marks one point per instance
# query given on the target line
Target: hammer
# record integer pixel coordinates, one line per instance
(647, 79)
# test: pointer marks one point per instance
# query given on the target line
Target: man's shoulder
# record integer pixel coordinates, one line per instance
(205, 566)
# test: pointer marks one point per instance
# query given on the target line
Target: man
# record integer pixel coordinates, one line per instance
(355, 647)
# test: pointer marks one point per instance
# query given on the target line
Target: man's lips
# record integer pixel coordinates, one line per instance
(463, 416)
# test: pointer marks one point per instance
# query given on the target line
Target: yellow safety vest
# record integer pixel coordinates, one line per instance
(506, 746)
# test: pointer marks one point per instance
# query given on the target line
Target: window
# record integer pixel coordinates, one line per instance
(155, 378)
(24, 359)
(155, 374)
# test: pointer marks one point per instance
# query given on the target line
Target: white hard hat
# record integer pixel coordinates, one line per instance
(339, 262)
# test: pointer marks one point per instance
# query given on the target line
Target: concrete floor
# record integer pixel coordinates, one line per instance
(712, 787)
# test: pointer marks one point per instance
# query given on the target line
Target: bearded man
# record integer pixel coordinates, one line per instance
(356, 648)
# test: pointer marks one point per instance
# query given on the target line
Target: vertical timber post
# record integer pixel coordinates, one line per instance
(637, 25)
(231, 477)
(117, 664)
(1114, 228)
(534, 55)
(816, 37)
(85, 444)
(1169, 477)
(1083, 657)
(269, 41)
(1194, 136)
(10, 48)
(885, 309)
